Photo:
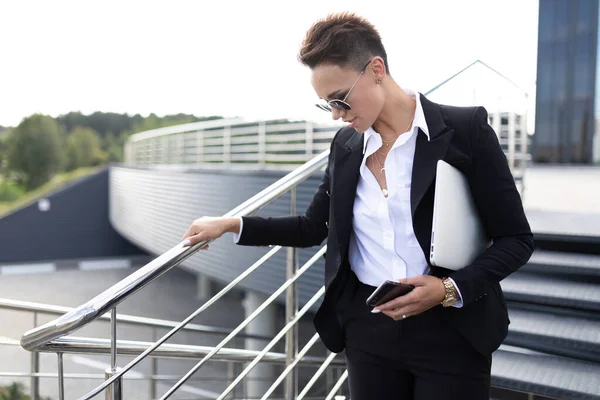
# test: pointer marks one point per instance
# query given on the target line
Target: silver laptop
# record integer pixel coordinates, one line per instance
(457, 234)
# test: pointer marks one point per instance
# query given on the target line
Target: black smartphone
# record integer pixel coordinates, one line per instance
(387, 291)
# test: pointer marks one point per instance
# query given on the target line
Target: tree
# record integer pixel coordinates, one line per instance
(15, 391)
(34, 151)
(3, 155)
(113, 145)
(83, 149)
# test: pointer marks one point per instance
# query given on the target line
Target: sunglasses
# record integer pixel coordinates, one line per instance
(341, 104)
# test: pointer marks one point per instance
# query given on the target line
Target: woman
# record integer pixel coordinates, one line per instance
(374, 206)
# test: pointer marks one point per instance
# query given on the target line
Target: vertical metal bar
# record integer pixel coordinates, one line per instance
(512, 133)
(200, 146)
(244, 387)
(35, 367)
(291, 309)
(180, 148)
(227, 144)
(329, 378)
(309, 142)
(231, 377)
(114, 391)
(262, 143)
(524, 150)
(113, 339)
(61, 376)
(154, 369)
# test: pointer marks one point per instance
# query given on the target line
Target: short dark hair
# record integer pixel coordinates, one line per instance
(343, 39)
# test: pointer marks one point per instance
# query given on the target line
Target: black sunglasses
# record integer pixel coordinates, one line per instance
(342, 104)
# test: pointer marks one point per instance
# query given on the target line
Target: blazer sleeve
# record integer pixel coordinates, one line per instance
(501, 210)
(309, 229)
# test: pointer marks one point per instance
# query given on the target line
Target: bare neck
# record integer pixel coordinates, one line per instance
(397, 113)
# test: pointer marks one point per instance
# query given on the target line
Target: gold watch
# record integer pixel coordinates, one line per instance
(451, 293)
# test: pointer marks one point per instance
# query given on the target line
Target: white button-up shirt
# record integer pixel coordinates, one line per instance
(383, 244)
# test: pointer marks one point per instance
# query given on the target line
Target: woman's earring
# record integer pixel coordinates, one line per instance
(378, 81)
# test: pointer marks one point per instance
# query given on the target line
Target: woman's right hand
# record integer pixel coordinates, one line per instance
(210, 228)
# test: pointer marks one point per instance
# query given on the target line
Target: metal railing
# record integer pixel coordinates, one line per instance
(98, 346)
(275, 144)
(51, 337)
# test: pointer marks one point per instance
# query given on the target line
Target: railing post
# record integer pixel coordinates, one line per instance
(61, 377)
(227, 144)
(231, 374)
(154, 369)
(524, 151)
(512, 133)
(309, 140)
(114, 391)
(180, 148)
(262, 143)
(200, 146)
(291, 309)
(35, 367)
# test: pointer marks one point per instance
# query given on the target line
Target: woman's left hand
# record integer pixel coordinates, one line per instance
(429, 291)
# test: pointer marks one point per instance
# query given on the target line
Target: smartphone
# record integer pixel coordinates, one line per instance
(387, 291)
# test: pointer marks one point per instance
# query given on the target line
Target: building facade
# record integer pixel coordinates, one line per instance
(567, 121)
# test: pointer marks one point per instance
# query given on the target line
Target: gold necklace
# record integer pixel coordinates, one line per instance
(387, 143)
(382, 166)
(383, 189)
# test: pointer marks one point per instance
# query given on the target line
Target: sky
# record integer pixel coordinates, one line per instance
(234, 58)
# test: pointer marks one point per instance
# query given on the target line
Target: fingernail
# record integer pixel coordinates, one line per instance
(186, 242)
(375, 311)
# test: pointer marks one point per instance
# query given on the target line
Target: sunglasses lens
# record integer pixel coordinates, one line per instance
(323, 107)
(339, 104)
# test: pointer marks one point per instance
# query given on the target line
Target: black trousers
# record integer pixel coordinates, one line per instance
(419, 358)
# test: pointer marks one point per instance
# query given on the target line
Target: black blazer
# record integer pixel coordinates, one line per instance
(462, 137)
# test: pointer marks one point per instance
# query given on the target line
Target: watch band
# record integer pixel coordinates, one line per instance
(451, 293)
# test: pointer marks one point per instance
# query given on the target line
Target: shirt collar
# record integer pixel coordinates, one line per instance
(418, 122)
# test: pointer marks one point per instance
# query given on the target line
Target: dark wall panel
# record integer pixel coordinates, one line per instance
(76, 225)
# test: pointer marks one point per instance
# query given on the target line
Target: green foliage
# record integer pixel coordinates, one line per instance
(83, 149)
(10, 191)
(114, 129)
(34, 153)
(3, 154)
(99, 122)
(16, 391)
(113, 145)
(53, 185)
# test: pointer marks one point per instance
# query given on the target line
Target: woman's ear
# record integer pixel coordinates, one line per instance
(377, 68)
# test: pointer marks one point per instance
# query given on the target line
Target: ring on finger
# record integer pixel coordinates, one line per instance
(404, 316)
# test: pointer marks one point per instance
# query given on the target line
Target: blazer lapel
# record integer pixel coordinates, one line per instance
(348, 158)
(428, 152)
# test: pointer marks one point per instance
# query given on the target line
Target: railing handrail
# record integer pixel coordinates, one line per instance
(97, 346)
(213, 124)
(18, 305)
(76, 319)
